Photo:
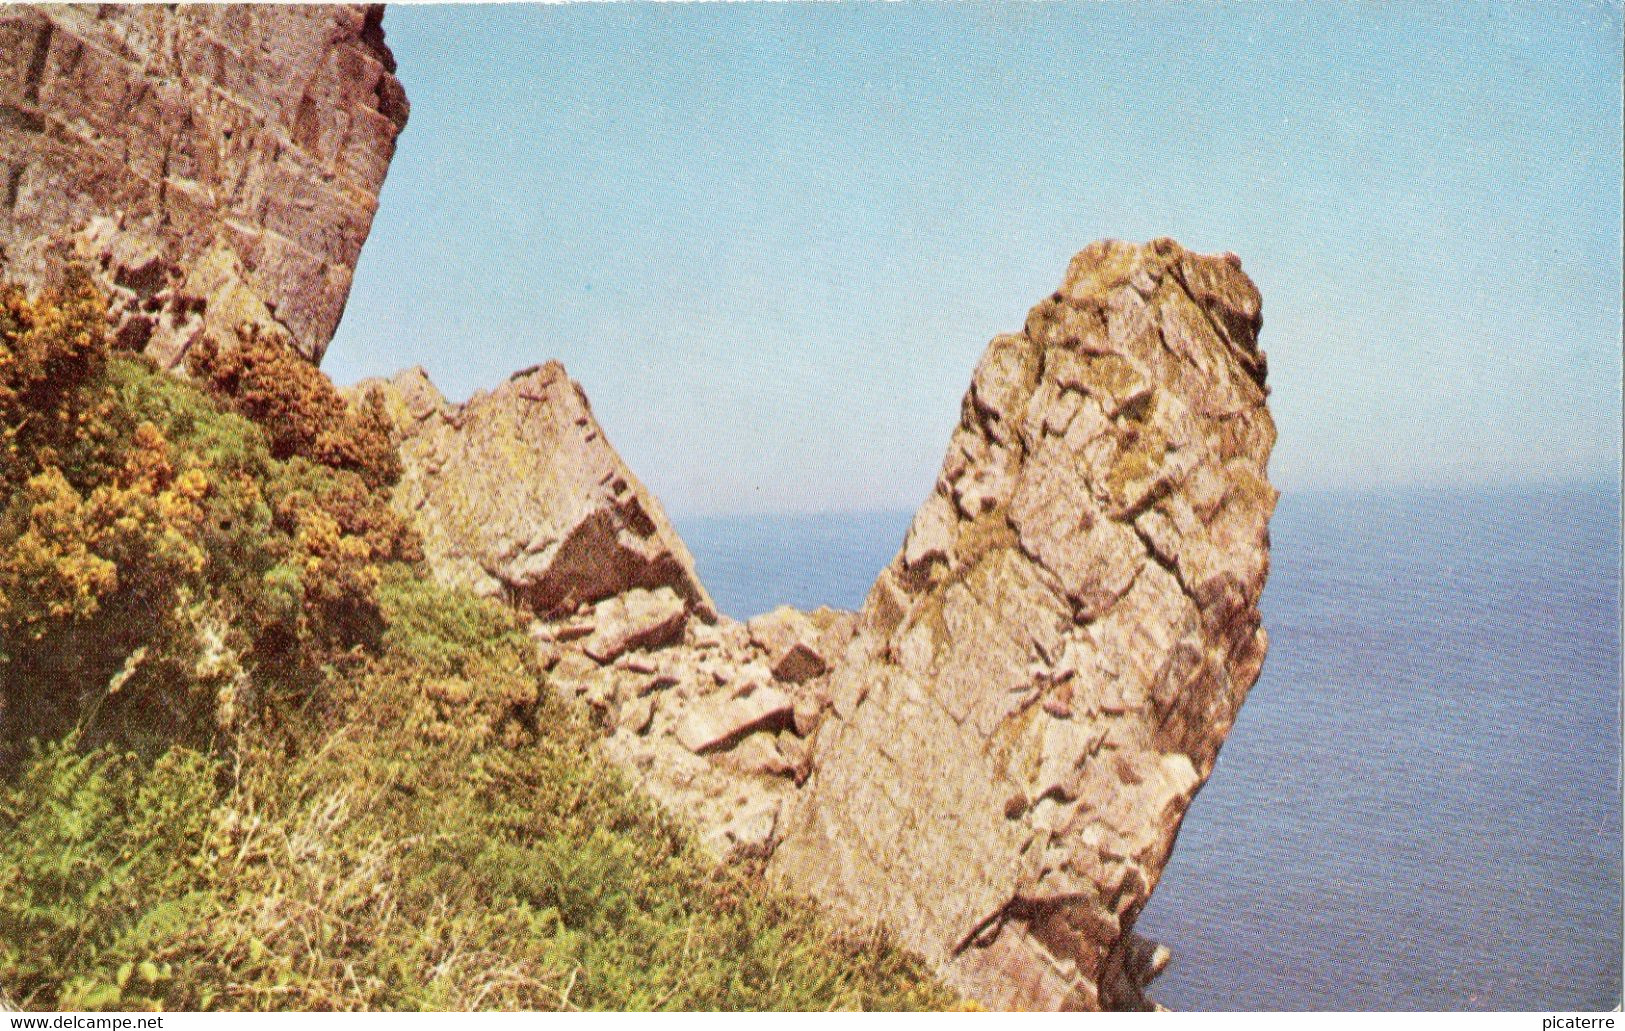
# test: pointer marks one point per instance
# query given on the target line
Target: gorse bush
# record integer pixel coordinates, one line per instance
(100, 554)
(50, 350)
(303, 414)
(195, 558)
(251, 758)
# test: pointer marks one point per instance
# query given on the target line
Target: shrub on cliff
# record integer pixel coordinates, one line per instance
(445, 838)
(51, 348)
(299, 408)
(158, 560)
(94, 589)
(249, 758)
(100, 528)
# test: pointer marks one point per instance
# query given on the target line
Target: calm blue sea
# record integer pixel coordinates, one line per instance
(1419, 807)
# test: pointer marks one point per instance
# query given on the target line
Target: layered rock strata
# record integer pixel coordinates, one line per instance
(1041, 680)
(218, 166)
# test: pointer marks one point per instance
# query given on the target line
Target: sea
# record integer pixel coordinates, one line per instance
(1419, 807)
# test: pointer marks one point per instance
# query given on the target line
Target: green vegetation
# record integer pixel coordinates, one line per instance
(251, 758)
(160, 568)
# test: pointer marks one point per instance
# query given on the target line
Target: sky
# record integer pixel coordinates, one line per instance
(772, 240)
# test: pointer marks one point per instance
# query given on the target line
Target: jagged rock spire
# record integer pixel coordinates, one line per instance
(1043, 676)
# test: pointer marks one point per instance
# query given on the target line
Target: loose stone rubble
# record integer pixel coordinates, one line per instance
(703, 724)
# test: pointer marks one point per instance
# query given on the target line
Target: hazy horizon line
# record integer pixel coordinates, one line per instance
(1554, 485)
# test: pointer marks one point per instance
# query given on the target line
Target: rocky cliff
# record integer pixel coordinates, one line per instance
(993, 758)
(519, 496)
(1042, 678)
(220, 165)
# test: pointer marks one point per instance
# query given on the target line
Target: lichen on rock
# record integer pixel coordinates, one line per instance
(1041, 680)
(517, 494)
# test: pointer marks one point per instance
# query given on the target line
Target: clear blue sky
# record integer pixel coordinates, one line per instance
(772, 240)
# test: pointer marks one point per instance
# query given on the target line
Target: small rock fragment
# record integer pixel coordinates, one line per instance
(637, 715)
(757, 754)
(716, 721)
(636, 619)
(790, 641)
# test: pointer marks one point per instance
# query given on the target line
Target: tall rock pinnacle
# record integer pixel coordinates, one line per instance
(218, 165)
(1041, 679)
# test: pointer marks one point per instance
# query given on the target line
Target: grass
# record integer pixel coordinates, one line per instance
(250, 758)
(449, 841)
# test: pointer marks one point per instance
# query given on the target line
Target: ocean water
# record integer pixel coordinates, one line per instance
(752, 564)
(1420, 805)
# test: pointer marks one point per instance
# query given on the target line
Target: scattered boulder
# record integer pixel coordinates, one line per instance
(759, 754)
(707, 734)
(791, 643)
(721, 719)
(637, 619)
(518, 495)
(809, 712)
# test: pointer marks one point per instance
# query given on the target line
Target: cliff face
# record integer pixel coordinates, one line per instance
(1042, 678)
(220, 165)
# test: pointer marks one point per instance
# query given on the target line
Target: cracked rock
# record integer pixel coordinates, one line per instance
(791, 643)
(518, 495)
(636, 619)
(1040, 681)
(203, 190)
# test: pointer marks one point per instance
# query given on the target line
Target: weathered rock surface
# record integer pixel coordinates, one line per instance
(218, 165)
(993, 758)
(518, 494)
(637, 619)
(1042, 678)
(800, 646)
(723, 719)
(700, 724)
